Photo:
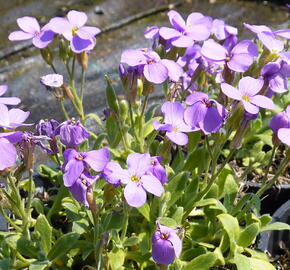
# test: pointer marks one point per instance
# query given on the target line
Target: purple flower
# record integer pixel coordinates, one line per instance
(7, 100)
(154, 69)
(75, 163)
(13, 118)
(114, 173)
(47, 127)
(284, 135)
(239, 59)
(247, 94)
(197, 27)
(280, 120)
(72, 133)
(8, 152)
(81, 186)
(30, 29)
(158, 170)
(268, 37)
(166, 245)
(174, 123)
(82, 38)
(276, 74)
(51, 81)
(204, 113)
(222, 30)
(137, 178)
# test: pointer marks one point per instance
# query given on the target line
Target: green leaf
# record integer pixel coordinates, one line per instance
(98, 141)
(276, 226)
(112, 100)
(230, 225)
(197, 159)
(144, 210)
(63, 245)
(37, 205)
(113, 221)
(44, 229)
(260, 265)
(113, 133)
(131, 241)
(176, 186)
(150, 112)
(5, 264)
(248, 235)
(39, 265)
(231, 190)
(80, 226)
(202, 262)
(265, 219)
(242, 262)
(177, 216)
(211, 201)
(169, 222)
(27, 248)
(193, 139)
(116, 258)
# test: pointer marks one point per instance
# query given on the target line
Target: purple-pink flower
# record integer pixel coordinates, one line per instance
(71, 133)
(247, 94)
(13, 118)
(75, 163)
(138, 178)
(204, 113)
(81, 38)
(239, 59)
(30, 29)
(268, 37)
(7, 100)
(183, 34)
(155, 70)
(166, 245)
(174, 124)
(81, 186)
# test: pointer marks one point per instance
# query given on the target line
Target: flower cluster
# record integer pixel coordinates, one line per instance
(72, 28)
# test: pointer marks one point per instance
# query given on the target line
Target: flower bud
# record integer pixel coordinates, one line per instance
(139, 87)
(83, 59)
(91, 200)
(63, 50)
(67, 92)
(124, 109)
(111, 97)
(47, 55)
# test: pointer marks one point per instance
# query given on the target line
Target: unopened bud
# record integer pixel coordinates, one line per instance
(91, 200)
(111, 97)
(139, 87)
(124, 109)
(83, 59)
(109, 192)
(47, 55)
(67, 92)
(63, 50)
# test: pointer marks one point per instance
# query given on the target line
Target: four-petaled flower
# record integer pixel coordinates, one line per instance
(247, 94)
(30, 29)
(82, 38)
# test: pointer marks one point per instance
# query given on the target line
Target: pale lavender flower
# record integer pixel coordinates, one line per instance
(155, 70)
(247, 94)
(174, 124)
(51, 81)
(239, 59)
(268, 37)
(8, 152)
(82, 38)
(284, 135)
(7, 100)
(13, 118)
(204, 113)
(221, 30)
(137, 178)
(75, 163)
(158, 170)
(276, 74)
(166, 245)
(30, 29)
(71, 133)
(196, 28)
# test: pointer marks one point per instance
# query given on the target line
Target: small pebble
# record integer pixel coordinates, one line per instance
(98, 10)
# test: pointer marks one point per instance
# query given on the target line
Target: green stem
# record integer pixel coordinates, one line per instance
(126, 208)
(281, 169)
(53, 67)
(8, 220)
(269, 164)
(96, 237)
(64, 110)
(82, 85)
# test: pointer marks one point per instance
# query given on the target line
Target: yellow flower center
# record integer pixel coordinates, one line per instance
(84, 181)
(175, 129)
(164, 236)
(74, 31)
(246, 98)
(79, 157)
(135, 178)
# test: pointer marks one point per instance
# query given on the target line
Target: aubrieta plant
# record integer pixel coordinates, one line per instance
(156, 186)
